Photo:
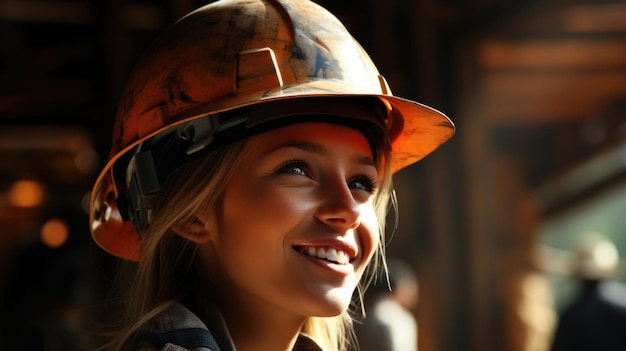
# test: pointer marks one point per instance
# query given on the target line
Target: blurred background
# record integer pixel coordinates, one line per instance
(537, 89)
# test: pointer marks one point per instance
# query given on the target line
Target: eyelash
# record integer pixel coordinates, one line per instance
(288, 166)
(369, 184)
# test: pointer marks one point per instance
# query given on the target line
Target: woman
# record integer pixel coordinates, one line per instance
(249, 180)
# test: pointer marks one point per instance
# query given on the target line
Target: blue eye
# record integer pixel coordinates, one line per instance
(364, 183)
(295, 167)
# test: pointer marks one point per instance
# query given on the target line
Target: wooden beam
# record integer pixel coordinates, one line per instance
(532, 97)
(542, 54)
(596, 18)
(44, 11)
(133, 16)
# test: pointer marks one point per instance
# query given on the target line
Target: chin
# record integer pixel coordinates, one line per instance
(334, 304)
(329, 313)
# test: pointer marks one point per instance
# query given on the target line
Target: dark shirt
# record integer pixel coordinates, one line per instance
(596, 320)
(178, 329)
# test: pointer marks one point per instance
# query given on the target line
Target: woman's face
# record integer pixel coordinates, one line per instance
(296, 226)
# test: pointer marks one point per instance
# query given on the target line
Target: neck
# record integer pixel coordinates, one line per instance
(253, 324)
(267, 330)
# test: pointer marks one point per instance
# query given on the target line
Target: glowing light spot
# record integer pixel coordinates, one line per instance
(54, 233)
(26, 193)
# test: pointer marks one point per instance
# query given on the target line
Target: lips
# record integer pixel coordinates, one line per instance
(326, 253)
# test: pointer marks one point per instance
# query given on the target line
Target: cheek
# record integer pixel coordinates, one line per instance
(258, 212)
(263, 203)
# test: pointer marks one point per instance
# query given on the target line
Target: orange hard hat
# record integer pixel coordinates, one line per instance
(275, 59)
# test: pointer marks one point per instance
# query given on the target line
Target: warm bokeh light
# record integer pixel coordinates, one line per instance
(87, 161)
(54, 232)
(26, 193)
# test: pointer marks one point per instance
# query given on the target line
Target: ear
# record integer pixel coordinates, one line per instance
(193, 230)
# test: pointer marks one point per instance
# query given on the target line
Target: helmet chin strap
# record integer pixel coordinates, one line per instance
(143, 185)
(155, 160)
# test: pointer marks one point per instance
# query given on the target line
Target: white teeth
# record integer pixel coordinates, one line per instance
(342, 257)
(330, 254)
(321, 253)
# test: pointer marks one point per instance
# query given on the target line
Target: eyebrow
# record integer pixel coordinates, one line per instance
(320, 150)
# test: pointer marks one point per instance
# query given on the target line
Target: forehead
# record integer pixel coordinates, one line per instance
(313, 136)
(320, 129)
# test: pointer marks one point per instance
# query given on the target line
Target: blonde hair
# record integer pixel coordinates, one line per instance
(168, 262)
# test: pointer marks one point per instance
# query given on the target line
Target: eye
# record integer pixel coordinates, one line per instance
(295, 167)
(363, 182)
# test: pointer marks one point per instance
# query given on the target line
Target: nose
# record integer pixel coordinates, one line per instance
(338, 207)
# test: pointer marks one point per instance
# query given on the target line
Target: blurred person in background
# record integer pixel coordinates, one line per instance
(596, 318)
(390, 323)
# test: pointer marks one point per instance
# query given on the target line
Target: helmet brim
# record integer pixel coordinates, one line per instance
(415, 130)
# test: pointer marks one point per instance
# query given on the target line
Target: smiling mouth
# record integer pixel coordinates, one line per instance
(325, 253)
